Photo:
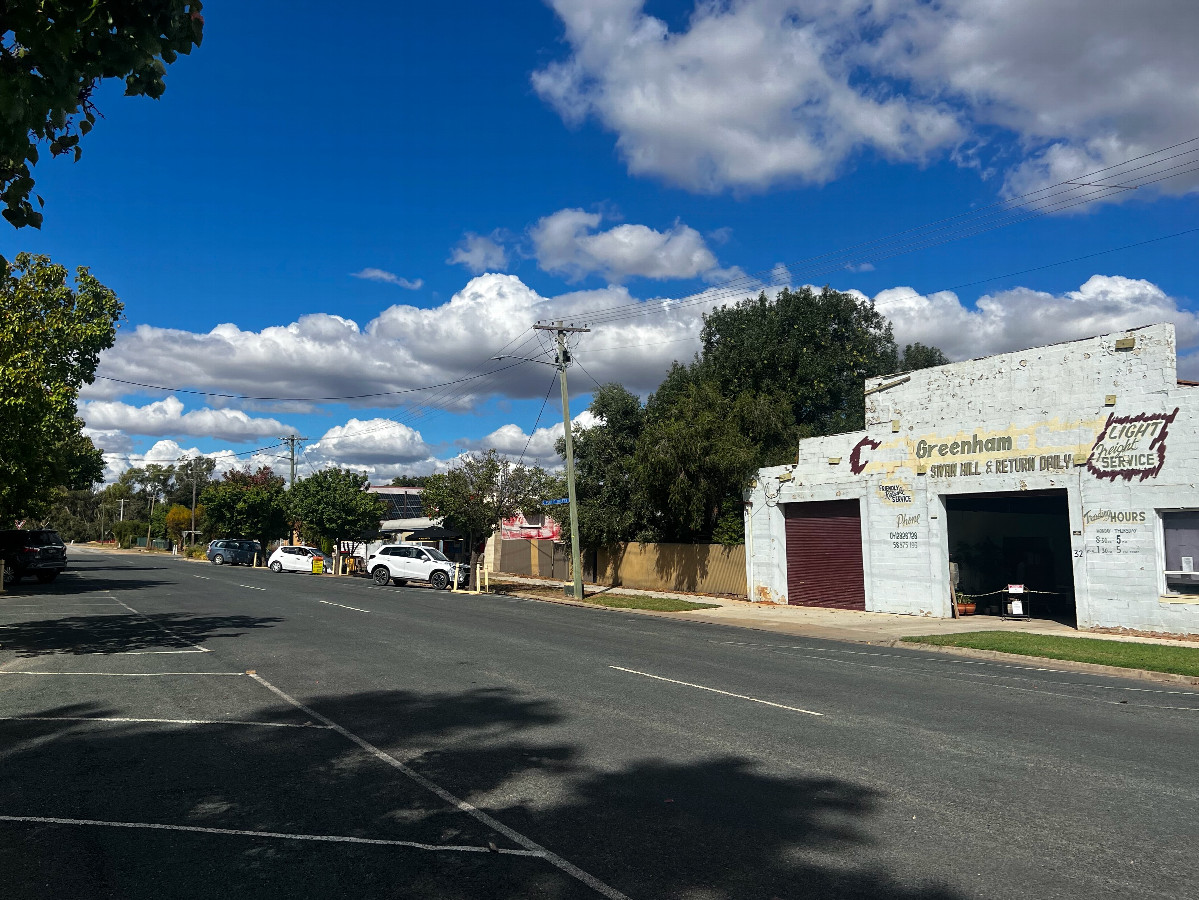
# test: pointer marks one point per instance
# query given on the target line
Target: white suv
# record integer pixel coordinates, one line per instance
(412, 562)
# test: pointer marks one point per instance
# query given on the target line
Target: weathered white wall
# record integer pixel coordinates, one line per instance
(1050, 403)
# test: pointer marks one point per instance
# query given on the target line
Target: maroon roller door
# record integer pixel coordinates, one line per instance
(824, 554)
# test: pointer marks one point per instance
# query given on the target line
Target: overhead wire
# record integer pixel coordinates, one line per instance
(999, 214)
(1034, 204)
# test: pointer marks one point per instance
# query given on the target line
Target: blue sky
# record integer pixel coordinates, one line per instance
(375, 198)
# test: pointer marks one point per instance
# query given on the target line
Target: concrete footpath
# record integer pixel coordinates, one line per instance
(877, 628)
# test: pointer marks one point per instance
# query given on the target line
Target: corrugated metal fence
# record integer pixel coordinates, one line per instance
(698, 568)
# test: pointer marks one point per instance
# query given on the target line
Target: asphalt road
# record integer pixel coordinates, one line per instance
(401, 742)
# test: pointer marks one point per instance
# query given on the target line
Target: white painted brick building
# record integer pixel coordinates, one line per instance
(1072, 469)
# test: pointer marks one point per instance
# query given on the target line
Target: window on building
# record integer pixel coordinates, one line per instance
(1181, 532)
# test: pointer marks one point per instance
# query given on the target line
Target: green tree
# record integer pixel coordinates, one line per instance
(75, 515)
(336, 504)
(51, 335)
(246, 504)
(54, 53)
(481, 490)
(918, 356)
(611, 508)
(126, 530)
(691, 459)
(410, 480)
(812, 350)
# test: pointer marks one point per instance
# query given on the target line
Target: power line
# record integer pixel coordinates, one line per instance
(537, 421)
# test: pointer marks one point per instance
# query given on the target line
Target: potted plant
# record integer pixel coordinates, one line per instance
(965, 605)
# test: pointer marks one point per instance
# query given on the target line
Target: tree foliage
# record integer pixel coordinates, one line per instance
(483, 489)
(336, 504)
(51, 336)
(610, 506)
(770, 371)
(246, 504)
(53, 55)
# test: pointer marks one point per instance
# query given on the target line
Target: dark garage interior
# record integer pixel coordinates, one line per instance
(1013, 538)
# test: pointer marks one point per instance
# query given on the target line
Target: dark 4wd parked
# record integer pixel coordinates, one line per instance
(38, 552)
(234, 552)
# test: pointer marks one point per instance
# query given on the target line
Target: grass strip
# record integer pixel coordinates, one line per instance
(616, 601)
(1125, 654)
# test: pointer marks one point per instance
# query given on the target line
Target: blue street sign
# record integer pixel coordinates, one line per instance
(555, 502)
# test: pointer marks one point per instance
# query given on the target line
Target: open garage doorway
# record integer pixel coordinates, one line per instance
(1013, 538)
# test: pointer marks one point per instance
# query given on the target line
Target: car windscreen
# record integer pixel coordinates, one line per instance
(42, 539)
(437, 554)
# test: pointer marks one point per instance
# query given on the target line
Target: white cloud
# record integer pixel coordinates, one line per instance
(110, 440)
(1020, 318)
(536, 449)
(389, 278)
(166, 417)
(369, 442)
(480, 253)
(757, 92)
(567, 243)
(402, 349)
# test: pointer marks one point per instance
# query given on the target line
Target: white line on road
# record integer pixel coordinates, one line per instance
(205, 577)
(331, 603)
(132, 674)
(251, 587)
(333, 838)
(158, 721)
(717, 691)
(958, 661)
(528, 843)
(159, 626)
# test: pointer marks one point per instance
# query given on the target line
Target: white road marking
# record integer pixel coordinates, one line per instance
(780, 648)
(131, 674)
(251, 587)
(333, 838)
(717, 691)
(159, 626)
(160, 721)
(205, 577)
(529, 844)
(331, 603)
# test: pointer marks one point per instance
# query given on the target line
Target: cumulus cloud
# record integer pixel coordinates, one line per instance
(369, 442)
(166, 417)
(1020, 318)
(756, 92)
(567, 243)
(480, 253)
(399, 354)
(386, 277)
(534, 449)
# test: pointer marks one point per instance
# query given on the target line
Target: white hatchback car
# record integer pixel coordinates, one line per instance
(413, 562)
(295, 559)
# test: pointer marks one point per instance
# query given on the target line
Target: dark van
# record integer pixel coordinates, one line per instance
(234, 551)
(39, 552)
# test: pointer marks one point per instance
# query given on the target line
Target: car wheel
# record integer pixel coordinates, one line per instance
(10, 575)
(46, 577)
(382, 575)
(218, 560)
(439, 580)
(276, 567)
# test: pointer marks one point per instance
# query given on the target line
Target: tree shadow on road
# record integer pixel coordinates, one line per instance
(122, 633)
(696, 829)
